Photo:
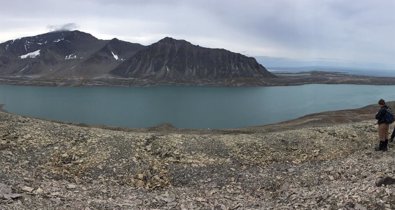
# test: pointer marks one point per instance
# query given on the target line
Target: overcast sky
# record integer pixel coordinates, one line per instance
(336, 30)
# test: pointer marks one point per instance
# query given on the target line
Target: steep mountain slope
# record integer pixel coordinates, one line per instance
(47, 54)
(107, 58)
(179, 60)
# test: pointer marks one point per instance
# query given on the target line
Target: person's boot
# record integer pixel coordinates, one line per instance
(379, 147)
(385, 145)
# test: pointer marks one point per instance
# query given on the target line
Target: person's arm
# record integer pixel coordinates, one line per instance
(393, 134)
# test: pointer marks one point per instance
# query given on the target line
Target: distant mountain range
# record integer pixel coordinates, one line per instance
(78, 58)
(281, 64)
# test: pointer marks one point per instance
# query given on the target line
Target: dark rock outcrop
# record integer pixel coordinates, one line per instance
(385, 181)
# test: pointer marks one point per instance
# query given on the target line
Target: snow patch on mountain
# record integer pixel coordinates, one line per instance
(31, 55)
(115, 56)
(71, 56)
(58, 40)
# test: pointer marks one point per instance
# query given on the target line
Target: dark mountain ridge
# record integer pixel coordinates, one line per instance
(179, 60)
(75, 56)
(46, 54)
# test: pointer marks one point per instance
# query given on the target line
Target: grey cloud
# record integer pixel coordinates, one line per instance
(302, 28)
(64, 27)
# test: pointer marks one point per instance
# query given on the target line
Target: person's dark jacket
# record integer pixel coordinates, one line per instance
(380, 116)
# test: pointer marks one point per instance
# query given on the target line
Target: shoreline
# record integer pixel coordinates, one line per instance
(282, 79)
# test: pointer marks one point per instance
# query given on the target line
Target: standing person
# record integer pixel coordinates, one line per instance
(383, 126)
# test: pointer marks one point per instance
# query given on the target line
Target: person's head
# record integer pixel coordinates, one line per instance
(381, 102)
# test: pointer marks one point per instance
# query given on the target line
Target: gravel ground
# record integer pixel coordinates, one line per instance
(322, 161)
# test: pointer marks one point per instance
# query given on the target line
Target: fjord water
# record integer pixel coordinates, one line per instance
(186, 107)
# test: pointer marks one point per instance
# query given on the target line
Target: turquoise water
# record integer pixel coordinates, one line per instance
(186, 107)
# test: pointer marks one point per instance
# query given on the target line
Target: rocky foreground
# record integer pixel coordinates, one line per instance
(323, 161)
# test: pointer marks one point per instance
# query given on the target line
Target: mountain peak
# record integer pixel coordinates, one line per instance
(170, 40)
(80, 35)
(64, 33)
(167, 39)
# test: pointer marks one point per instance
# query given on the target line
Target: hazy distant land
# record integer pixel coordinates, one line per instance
(282, 79)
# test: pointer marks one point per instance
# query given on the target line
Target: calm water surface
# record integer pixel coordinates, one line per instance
(186, 107)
